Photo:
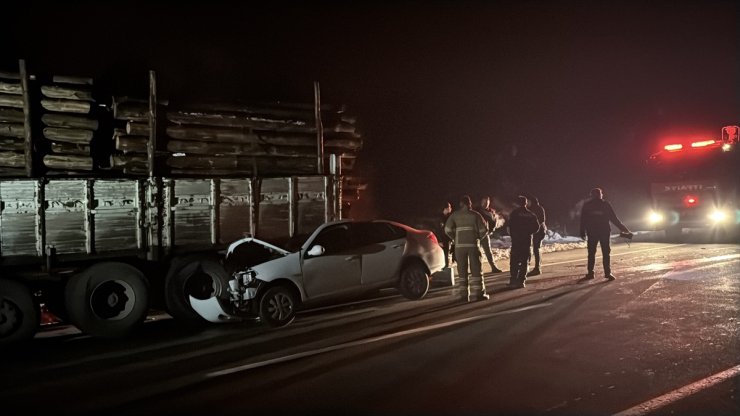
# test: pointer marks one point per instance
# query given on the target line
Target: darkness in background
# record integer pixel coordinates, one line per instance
(444, 91)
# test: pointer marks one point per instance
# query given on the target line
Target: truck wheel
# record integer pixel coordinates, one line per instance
(107, 299)
(414, 283)
(201, 278)
(277, 306)
(19, 317)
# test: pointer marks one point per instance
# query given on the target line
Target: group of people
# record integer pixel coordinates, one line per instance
(467, 230)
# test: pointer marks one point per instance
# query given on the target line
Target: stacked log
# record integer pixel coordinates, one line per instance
(68, 124)
(265, 140)
(131, 148)
(12, 130)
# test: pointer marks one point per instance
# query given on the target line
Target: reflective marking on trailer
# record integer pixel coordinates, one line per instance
(366, 341)
(680, 393)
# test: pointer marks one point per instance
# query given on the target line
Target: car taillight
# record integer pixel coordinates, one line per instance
(690, 200)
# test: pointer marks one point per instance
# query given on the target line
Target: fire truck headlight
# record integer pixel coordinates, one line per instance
(718, 216)
(655, 217)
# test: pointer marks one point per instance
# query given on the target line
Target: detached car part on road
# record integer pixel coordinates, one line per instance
(338, 260)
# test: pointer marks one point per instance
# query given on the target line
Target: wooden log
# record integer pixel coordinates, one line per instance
(271, 165)
(13, 159)
(232, 120)
(12, 130)
(70, 121)
(125, 108)
(342, 145)
(68, 162)
(268, 110)
(137, 129)
(120, 161)
(64, 79)
(131, 144)
(9, 100)
(203, 148)
(10, 75)
(28, 151)
(54, 91)
(254, 122)
(11, 88)
(75, 136)
(70, 149)
(66, 106)
(10, 115)
(12, 144)
(136, 170)
(12, 172)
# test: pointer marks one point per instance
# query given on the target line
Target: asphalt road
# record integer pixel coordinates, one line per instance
(662, 339)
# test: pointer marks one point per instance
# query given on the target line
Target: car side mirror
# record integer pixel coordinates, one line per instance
(316, 250)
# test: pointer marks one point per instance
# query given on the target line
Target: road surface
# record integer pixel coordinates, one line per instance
(662, 339)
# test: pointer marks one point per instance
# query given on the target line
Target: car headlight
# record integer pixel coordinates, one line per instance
(718, 216)
(655, 217)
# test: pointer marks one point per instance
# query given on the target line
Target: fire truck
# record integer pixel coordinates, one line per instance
(694, 185)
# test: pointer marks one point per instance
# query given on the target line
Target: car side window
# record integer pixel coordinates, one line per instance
(334, 239)
(377, 232)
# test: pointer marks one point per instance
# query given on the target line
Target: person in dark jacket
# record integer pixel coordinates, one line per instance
(489, 216)
(522, 224)
(466, 227)
(596, 215)
(444, 241)
(539, 211)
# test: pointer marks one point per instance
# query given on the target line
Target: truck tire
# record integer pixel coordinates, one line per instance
(199, 277)
(19, 316)
(107, 299)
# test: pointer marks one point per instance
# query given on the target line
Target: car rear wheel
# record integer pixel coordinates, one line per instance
(414, 283)
(277, 306)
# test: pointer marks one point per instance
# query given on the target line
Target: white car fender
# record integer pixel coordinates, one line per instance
(211, 310)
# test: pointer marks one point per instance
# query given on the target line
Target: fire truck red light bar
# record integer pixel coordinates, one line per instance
(703, 143)
(673, 147)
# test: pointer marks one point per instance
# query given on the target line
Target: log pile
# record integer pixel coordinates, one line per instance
(130, 154)
(265, 140)
(68, 125)
(12, 130)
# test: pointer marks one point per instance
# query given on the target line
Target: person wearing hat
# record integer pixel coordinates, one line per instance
(522, 224)
(466, 227)
(596, 216)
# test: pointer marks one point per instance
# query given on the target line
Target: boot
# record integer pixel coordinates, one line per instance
(534, 272)
(589, 276)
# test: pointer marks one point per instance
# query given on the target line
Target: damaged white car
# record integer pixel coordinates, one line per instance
(338, 260)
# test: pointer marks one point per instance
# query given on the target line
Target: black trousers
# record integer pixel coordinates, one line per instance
(518, 258)
(591, 243)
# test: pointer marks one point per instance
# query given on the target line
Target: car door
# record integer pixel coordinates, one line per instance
(337, 271)
(382, 247)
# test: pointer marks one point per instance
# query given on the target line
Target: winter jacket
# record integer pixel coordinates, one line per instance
(596, 215)
(539, 212)
(465, 227)
(522, 224)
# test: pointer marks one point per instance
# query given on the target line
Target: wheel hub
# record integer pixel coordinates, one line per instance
(8, 317)
(113, 299)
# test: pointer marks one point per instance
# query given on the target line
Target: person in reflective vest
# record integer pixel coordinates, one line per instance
(466, 227)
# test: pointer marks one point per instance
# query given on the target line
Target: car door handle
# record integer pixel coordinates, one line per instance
(350, 258)
(398, 245)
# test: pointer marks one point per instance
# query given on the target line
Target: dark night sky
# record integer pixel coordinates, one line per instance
(442, 90)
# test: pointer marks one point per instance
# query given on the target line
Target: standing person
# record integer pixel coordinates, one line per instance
(596, 215)
(522, 224)
(489, 216)
(466, 227)
(539, 211)
(443, 239)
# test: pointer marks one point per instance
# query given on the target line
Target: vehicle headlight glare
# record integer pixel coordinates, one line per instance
(655, 217)
(718, 216)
